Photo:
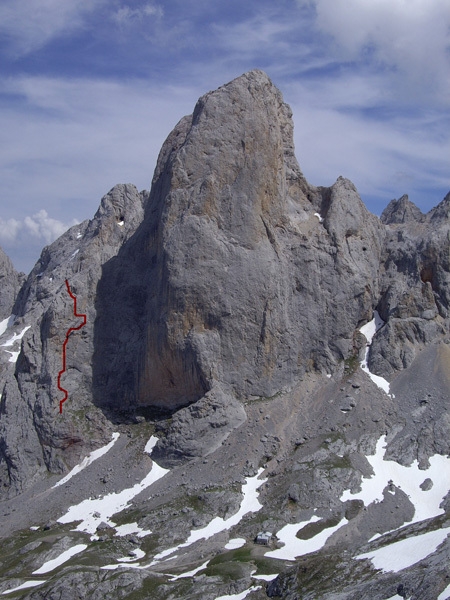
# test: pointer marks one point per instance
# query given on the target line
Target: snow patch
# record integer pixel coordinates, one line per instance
(190, 573)
(409, 479)
(88, 460)
(16, 337)
(6, 323)
(369, 330)
(74, 254)
(24, 586)
(93, 511)
(240, 596)
(137, 554)
(151, 444)
(403, 554)
(234, 544)
(14, 356)
(250, 503)
(445, 595)
(50, 565)
(319, 217)
(266, 577)
(296, 547)
(131, 529)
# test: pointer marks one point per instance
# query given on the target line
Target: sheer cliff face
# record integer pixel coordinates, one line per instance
(252, 275)
(231, 280)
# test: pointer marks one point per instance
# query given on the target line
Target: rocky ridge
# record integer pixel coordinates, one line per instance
(10, 283)
(224, 310)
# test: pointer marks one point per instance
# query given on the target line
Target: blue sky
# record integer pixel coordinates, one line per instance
(89, 90)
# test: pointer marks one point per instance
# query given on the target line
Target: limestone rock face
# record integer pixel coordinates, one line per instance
(223, 315)
(35, 437)
(228, 282)
(414, 283)
(247, 275)
(10, 283)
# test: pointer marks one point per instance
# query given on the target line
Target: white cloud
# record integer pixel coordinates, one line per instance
(253, 35)
(9, 228)
(126, 15)
(40, 225)
(29, 25)
(411, 37)
(384, 156)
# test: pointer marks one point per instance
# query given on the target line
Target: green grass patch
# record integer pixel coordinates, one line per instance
(351, 365)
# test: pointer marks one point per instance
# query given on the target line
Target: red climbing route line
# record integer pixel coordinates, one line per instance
(69, 331)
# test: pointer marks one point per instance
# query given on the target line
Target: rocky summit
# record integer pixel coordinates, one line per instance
(258, 402)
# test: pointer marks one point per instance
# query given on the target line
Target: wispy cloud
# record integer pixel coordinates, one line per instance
(28, 25)
(66, 142)
(367, 80)
(125, 15)
(352, 130)
(23, 239)
(408, 41)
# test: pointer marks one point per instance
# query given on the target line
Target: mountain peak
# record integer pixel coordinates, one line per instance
(401, 211)
(272, 345)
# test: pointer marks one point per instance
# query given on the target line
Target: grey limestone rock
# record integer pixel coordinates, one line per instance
(200, 428)
(233, 279)
(243, 274)
(414, 284)
(10, 283)
(34, 436)
(401, 211)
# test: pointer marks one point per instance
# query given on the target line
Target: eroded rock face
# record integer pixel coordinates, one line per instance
(248, 275)
(10, 283)
(228, 282)
(35, 437)
(414, 283)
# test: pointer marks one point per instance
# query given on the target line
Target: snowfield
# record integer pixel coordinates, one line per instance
(15, 338)
(293, 546)
(26, 585)
(93, 511)
(250, 503)
(190, 573)
(151, 444)
(409, 479)
(445, 595)
(240, 596)
(51, 565)
(6, 323)
(131, 529)
(234, 544)
(405, 553)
